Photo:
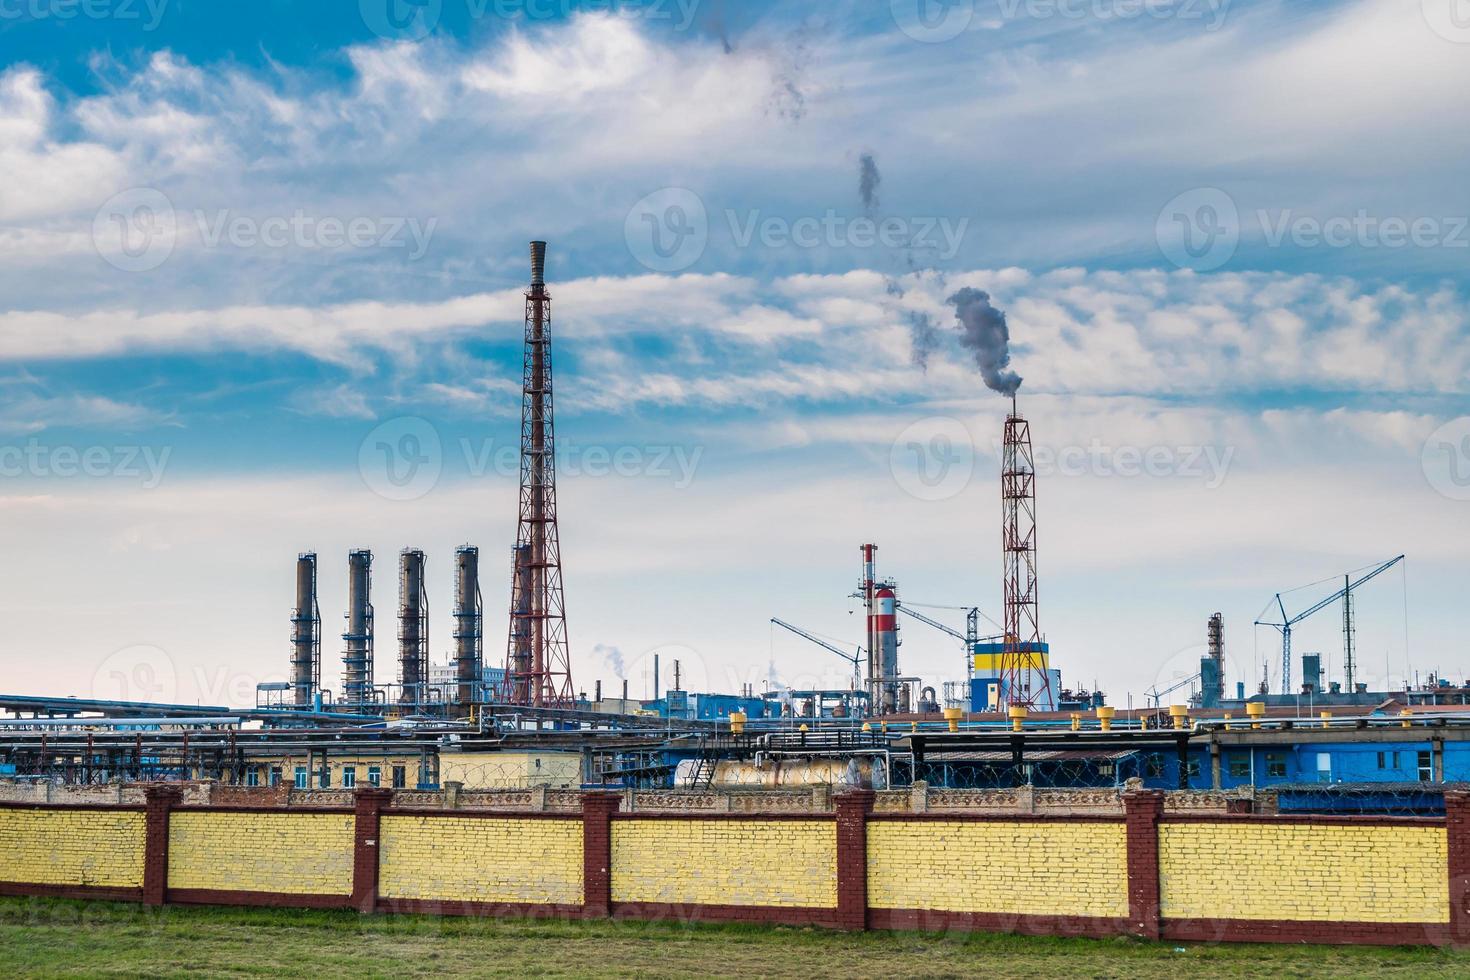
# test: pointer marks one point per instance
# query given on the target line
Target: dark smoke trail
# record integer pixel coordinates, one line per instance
(983, 330)
(868, 181)
(923, 338)
(714, 23)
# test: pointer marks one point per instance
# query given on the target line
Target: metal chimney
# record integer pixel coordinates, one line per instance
(306, 634)
(538, 266)
(357, 641)
(469, 621)
(413, 628)
(1215, 644)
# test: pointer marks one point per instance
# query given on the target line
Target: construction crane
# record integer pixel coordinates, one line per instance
(969, 640)
(1158, 696)
(853, 658)
(969, 637)
(1346, 594)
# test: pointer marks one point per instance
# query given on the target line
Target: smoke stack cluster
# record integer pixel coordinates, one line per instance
(413, 632)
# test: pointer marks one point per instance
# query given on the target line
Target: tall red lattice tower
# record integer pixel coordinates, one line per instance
(1025, 681)
(538, 669)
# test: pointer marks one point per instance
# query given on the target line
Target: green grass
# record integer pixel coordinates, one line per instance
(46, 937)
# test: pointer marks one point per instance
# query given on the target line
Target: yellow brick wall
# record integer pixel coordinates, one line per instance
(1027, 868)
(1303, 872)
(725, 862)
(481, 859)
(99, 848)
(295, 853)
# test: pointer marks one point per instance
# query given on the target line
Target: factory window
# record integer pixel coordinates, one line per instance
(1426, 767)
(301, 777)
(324, 778)
(349, 777)
(1275, 765)
(275, 775)
(1155, 765)
(400, 777)
(1192, 767)
(1388, 760)
(252, 776)
(1240, 766)
(375, 776)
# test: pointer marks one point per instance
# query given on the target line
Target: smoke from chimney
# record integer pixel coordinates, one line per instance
(613, 657)
(982, 329)
(868, 180)
(923, 338)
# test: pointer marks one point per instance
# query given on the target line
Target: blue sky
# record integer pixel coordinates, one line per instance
(247, 244)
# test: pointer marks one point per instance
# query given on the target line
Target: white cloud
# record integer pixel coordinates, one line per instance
(30, 412)
(40, 174)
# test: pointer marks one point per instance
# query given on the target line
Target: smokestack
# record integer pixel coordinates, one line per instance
(357, 641)
(306, 634)
(1215, 638)
(538, 266)
(469, 620)
(655, 677)
(413, 628)
(597, 688)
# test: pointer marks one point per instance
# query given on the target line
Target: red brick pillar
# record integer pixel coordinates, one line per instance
(853, 808)
(1142, 810)
(597, 811)
(1457, 830)
(369, 804)
(158, 802)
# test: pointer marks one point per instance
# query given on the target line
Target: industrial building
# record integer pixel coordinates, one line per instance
(515, 720)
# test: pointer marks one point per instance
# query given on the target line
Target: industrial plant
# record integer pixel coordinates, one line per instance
(487, 721)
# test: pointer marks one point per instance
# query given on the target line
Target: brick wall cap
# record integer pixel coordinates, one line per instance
(372, 794)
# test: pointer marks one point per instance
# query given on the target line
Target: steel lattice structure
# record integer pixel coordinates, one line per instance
(538, 663)
(1022, 685)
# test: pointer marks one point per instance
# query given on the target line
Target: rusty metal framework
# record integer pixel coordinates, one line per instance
(538, 662)
(1022, 684)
